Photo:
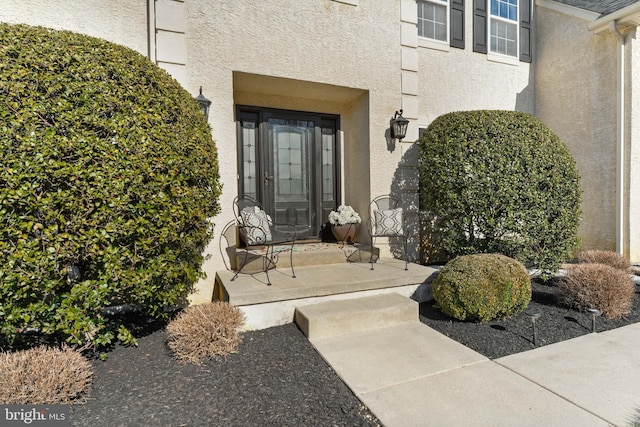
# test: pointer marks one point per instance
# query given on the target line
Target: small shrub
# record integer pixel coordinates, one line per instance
(205, 331)
(482, 287)
(500, 182)
(609, 258)
(598, 286)
(43, 375)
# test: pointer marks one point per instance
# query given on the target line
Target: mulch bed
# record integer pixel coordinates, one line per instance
(278, 379)
(514, 335)
(275, 379)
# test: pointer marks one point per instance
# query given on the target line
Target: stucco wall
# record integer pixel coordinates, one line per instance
(460, 79)
(119, 21)
(576, 97)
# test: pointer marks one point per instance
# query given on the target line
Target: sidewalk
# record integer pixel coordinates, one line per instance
(410, 375)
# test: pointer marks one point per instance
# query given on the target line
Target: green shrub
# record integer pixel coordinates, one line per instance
(205, 331)
(482, 287)
(610, 258)
(598, 286)
(500, 182)
(44, 375)
(109, 177)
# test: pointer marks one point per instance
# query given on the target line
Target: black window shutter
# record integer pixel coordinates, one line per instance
(456, 33)
(480, 26)
(525, 30)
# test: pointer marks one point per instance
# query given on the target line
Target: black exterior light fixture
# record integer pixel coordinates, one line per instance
(204, 104)
(398, 125)
(594, 313)
(73, 274)
(534, 316)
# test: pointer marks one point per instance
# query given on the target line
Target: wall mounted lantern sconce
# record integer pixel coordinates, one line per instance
(398, 125)
(204, 104)
(73, 274)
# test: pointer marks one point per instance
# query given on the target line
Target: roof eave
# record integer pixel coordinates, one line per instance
(576, 12)
(628, 17)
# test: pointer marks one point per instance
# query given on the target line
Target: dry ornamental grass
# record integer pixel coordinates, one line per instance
(205, 331)
(609, 258)
(598, 286)
(44, 375)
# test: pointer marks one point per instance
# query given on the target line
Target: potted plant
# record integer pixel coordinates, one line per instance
(344, 223)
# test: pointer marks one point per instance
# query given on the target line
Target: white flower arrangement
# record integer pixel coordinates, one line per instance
(344, 215)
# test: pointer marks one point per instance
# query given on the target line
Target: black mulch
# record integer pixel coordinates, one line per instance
(513, 335)
(275, 379)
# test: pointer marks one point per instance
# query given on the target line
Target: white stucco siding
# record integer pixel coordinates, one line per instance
(464, 80)
(310, 40)
(633, 138)
(119, 21)
(576, 97)
(460, 79)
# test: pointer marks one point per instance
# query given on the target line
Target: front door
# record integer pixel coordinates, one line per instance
(288, 161)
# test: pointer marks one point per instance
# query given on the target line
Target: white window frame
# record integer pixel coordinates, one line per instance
(431, 42)
(503, 57)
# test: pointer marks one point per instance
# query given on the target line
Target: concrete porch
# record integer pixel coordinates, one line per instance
(341, 273)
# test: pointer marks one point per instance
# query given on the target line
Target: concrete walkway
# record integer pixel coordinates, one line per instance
(411, 375)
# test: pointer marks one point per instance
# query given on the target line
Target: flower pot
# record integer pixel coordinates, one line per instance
(344, 233)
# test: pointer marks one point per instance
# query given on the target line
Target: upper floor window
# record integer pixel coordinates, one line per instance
(433, 19)
(503, 33)
(502, 29)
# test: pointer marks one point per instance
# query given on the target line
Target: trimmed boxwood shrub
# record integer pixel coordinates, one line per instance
(482, 287)
(109, 177)
(500, 182)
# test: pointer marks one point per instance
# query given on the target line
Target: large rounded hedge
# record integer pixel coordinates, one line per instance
(109, 177)
(500, 182)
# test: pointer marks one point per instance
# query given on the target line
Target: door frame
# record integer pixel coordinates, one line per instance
(322, 121)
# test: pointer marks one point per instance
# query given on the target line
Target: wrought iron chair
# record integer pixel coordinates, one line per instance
(259, 236)
(228, 244)
(386, 219)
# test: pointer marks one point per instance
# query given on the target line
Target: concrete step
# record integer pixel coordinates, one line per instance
(266, 306)
(304, 254)
(334, 318)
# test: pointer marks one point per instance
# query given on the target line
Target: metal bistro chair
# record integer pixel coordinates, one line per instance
(386, 219)
(228, 244)
(260, 237)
